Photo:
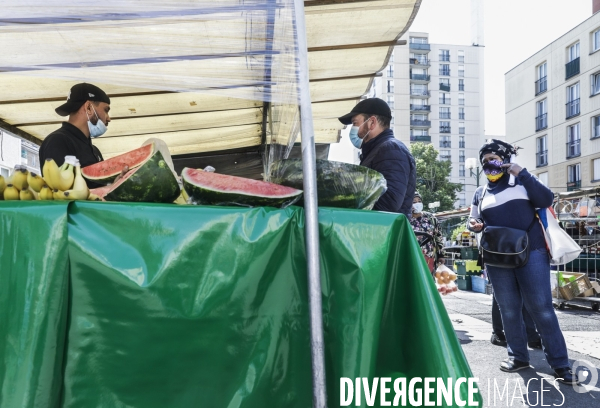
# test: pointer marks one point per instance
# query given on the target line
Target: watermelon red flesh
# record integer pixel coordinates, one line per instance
(106, 171)
(220, 189)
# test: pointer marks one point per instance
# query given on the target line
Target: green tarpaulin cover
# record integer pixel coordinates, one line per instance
(163, 306)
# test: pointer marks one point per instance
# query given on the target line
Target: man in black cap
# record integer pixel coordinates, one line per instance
(87, 107)
(382, 152)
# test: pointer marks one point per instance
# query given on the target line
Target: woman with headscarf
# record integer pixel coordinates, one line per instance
(422, 221)
(502, 205)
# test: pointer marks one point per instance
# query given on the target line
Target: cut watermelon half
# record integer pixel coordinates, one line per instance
(106, 171)
(219, 189)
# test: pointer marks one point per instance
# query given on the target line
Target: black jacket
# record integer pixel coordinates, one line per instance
(70, 141)
(397, 165)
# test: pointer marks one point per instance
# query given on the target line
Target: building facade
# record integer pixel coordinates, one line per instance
(553, 109)
(17, 151)
(436, 95)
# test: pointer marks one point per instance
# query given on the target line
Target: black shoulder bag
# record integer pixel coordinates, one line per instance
(505, 247)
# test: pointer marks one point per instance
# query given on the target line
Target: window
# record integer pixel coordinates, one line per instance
(444, 113)
(573, 100)
(391, 57)
(461, 56)
(23, 153)
(595, 83)
(420, 90)
(461, 84)
(596, 170)
(390, 71)
(595, 127)
(418, 117)
(418, 59)
(463, 200)
(461, 98)
(461, 170)
(461, 112)
(4, 172)
(543, 177)
(542, 151)
(446, 141)
(445, 69)
(444, 127)
(444, 99)
(541, 83)
(419, 132)
(418, 40)
(573, 177)
(463, 185)
(461, 70)
(444, 55)
(445, 84)
(596, 40)
(390, 86)
(573, 141)
(445, 155)
(541, 120)
(461, 156)
(573, 53)
(390, 101)
(461, 128)
(461, 142)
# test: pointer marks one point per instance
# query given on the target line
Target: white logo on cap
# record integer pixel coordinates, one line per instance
(69, 96)
(91, 95)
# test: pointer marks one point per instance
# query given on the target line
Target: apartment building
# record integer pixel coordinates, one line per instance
(15, 150)
(436, 95)
(553, 109)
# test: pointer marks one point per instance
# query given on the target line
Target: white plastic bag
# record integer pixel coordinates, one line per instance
(563, 248)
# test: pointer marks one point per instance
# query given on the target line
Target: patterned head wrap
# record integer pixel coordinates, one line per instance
(417, 195)
(497, 147)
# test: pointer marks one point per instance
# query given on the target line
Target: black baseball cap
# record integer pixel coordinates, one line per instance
(371, 106)
(80, 94)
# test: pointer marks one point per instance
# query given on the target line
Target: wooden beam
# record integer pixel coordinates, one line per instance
(15, 130)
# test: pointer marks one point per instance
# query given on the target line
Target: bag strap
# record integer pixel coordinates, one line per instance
(372, 154)
(481, 212)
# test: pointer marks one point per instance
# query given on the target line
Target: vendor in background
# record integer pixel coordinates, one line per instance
(87, 107)
(422, 221)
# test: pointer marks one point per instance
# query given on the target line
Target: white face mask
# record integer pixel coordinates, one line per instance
(417, 208)
(98, 129)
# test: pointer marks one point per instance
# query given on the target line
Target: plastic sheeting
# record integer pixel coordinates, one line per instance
(202, 75)
(207, 306)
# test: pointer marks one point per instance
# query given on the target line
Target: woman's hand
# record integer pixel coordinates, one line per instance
(512, 168)
(475, 225)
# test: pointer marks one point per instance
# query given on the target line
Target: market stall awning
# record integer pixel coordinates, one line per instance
(200, 75)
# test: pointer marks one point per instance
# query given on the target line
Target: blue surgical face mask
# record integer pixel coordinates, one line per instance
(356, 141)
(98, 129)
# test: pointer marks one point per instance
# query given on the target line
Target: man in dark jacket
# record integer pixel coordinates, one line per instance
(382, 152)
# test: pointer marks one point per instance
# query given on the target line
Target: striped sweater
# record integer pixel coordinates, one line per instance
(513, 206)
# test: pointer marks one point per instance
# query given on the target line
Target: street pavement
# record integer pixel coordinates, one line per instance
(471, 317)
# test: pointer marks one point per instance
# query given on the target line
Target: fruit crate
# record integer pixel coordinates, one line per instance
(478, 283)
(573, 289)
(463, 282)
(460, 267)
(469, 253)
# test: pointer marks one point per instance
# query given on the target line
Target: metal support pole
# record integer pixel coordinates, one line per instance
(311, 213)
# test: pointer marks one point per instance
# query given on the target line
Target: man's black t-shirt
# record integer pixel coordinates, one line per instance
(70, 141)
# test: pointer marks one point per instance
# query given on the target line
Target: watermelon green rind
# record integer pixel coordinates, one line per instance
(208, 188)
(106, 171)
(341, 185)
(152, 182)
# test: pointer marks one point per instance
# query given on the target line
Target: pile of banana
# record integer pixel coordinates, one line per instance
(59, 183)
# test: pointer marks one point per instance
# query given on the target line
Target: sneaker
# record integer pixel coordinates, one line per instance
(497, 340)
(510, 365)
(566, 376)
(535, 344)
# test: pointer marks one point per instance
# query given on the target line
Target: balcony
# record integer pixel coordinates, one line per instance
(445, 72)
(444, 87)
(541, 86)
(419, 62)
(461, 159)
(420, 108)
(445, 115)
(541, 158)
(461, 87)
(444, 129)
(461, 116)
(445, 157)
(444, 101)
(419, 46)
(573, 185)
(461, 144)
(461, 173)
(445, 143)
(419, 94)
(541, 122)
(419, 77)
(423, 139)
(573, 148)
(420, 123)
(572, 68)
(572, 108)
(444, 57)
